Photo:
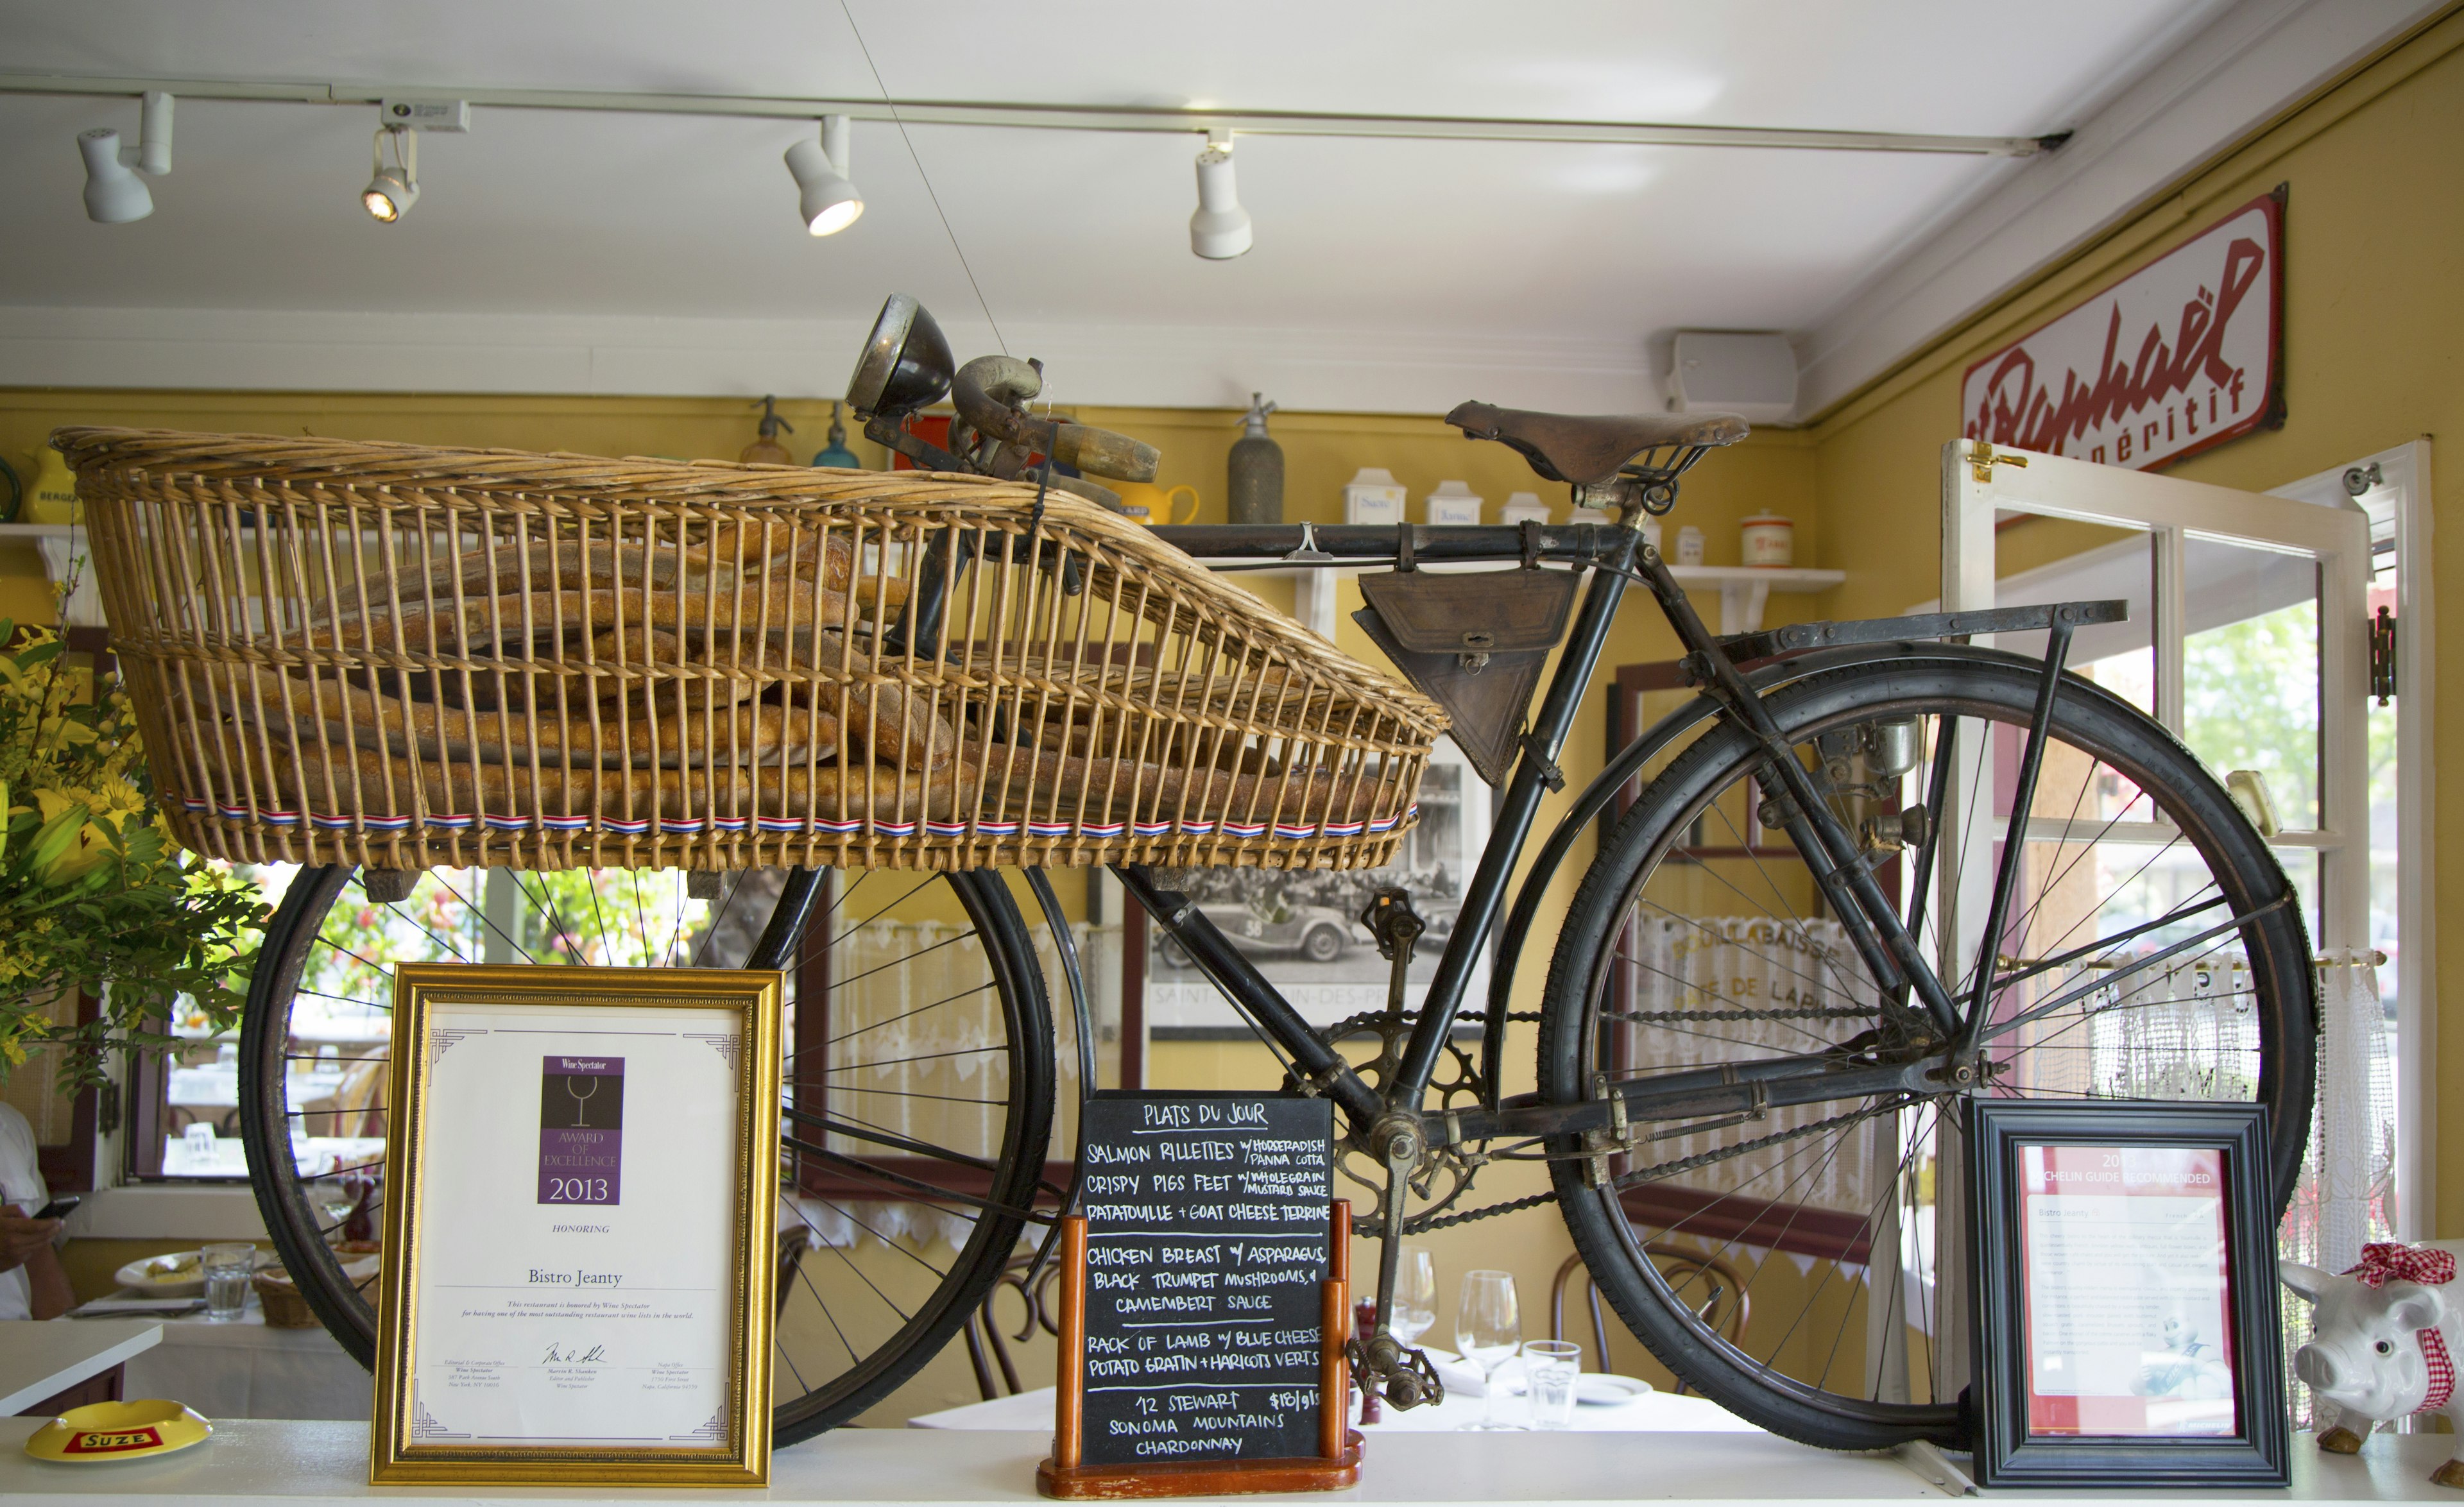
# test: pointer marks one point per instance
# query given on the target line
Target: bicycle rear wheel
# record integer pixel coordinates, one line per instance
(1697, 940)
(917, 1110)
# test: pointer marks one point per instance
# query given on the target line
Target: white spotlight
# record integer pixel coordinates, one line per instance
(395, 187)
(827, 201)
(114, 195)
(1219, 229)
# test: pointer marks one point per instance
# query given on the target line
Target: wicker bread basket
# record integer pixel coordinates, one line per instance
(389, 655)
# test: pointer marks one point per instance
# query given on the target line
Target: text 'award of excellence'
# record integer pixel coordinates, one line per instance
(580, 1170)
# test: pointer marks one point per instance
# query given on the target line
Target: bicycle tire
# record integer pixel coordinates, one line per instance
(1970, 684)
(805, 1410)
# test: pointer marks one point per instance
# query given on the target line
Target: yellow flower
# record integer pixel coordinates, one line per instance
(93, 842)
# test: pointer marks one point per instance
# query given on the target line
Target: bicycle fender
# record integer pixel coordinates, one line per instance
(1594, 797)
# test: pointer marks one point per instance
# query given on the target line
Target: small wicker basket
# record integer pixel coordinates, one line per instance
(388, 655)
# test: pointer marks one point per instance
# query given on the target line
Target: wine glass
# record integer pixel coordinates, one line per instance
(1488, 1332)
(1415, 1297)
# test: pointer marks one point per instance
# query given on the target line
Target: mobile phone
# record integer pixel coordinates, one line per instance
(58, 1208)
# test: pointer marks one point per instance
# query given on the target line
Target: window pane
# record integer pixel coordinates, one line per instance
(2250, 671)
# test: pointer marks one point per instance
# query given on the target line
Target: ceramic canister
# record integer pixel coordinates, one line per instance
(1770, 539)
(1374, 497)
(1453, 504)
(1689, 545)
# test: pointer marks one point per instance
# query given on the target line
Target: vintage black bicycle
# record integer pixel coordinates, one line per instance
(1872, 872)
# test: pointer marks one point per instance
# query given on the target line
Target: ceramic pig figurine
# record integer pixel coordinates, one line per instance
(2381, 1340)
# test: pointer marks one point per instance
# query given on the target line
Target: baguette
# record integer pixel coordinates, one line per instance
(729, 735)
(368, 783)
(564, 565)
(1041, 780)
(777, 607)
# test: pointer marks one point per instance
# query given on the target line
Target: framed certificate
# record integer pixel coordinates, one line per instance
(2126, 1328)
(579, 1170)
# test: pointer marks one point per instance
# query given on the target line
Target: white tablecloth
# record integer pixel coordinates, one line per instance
(1653, 1412)
(246, 1370)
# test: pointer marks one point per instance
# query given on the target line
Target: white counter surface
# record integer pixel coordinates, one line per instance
(291, 1464)
(42, 1358)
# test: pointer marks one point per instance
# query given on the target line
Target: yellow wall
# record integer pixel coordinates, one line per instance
(2373, 351)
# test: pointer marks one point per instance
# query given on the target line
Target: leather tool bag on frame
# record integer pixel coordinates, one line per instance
(1474, 643)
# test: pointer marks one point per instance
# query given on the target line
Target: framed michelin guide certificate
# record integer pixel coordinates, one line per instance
(2125, 1295)
(579, 1169)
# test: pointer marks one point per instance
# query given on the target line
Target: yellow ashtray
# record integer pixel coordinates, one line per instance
(100, 1431)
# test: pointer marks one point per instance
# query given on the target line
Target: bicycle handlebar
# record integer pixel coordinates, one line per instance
(986, 390)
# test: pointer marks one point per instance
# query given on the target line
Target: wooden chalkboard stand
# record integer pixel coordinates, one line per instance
(1334, 1467)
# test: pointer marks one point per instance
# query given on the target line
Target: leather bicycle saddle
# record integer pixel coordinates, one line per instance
(1588, 448)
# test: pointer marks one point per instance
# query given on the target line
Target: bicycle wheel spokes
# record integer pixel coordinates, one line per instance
(898, 1090)
(915, 1100)
(1701, 941)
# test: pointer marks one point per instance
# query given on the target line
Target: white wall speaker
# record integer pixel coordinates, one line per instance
(1750, 374)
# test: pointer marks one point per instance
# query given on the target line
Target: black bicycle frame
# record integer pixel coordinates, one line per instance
(1880, 935)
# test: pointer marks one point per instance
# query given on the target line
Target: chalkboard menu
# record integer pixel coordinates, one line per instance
(1207, 1245)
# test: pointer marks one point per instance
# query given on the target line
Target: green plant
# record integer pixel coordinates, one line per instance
(94, 893)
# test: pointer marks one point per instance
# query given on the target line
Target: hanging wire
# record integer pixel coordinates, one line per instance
(899, 120)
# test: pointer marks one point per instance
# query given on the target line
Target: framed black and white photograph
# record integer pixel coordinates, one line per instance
(1302, 927)
(2127, 1322)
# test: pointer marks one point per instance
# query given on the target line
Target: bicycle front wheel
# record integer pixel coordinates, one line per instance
(1698, 939)
(917, 1096)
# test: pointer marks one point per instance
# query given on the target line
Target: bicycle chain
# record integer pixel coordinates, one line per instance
(1702, 1159)
(1806, 1013)
(1682, 1164)
(1428, 1223)
(1448, 1221)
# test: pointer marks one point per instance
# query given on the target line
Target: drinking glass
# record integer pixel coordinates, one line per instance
(1549, 1367)
(1416, 1296)
(1488, 1330)
(228, 1269)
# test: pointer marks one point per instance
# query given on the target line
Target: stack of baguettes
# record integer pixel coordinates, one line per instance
(405, 658)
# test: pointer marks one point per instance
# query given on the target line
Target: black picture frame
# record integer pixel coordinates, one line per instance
(2007, 1454)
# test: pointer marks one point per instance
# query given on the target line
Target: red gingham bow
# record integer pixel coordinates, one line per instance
(2386, 1262)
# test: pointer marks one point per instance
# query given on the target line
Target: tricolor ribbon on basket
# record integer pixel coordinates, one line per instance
(687, 826)
(2385, 1261)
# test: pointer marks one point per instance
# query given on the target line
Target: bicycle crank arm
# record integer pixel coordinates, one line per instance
(1406, 1375)
(1744, 1091)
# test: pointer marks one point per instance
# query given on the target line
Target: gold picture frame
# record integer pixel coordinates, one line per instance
(579, 1363)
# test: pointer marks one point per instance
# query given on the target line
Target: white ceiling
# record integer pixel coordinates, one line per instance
(646, 252)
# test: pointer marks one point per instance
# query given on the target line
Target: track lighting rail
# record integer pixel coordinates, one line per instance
(1069, 118)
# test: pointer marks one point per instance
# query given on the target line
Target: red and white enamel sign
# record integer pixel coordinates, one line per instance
(2183, 354)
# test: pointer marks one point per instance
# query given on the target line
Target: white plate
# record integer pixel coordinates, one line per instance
(1608, 1389)
(159, 1276)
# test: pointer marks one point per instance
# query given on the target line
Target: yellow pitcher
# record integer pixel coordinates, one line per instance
(1152, 504)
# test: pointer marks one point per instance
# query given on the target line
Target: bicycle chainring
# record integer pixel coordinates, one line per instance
(1457, 1085)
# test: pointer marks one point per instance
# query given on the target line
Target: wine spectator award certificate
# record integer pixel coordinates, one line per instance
(579, 1176)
